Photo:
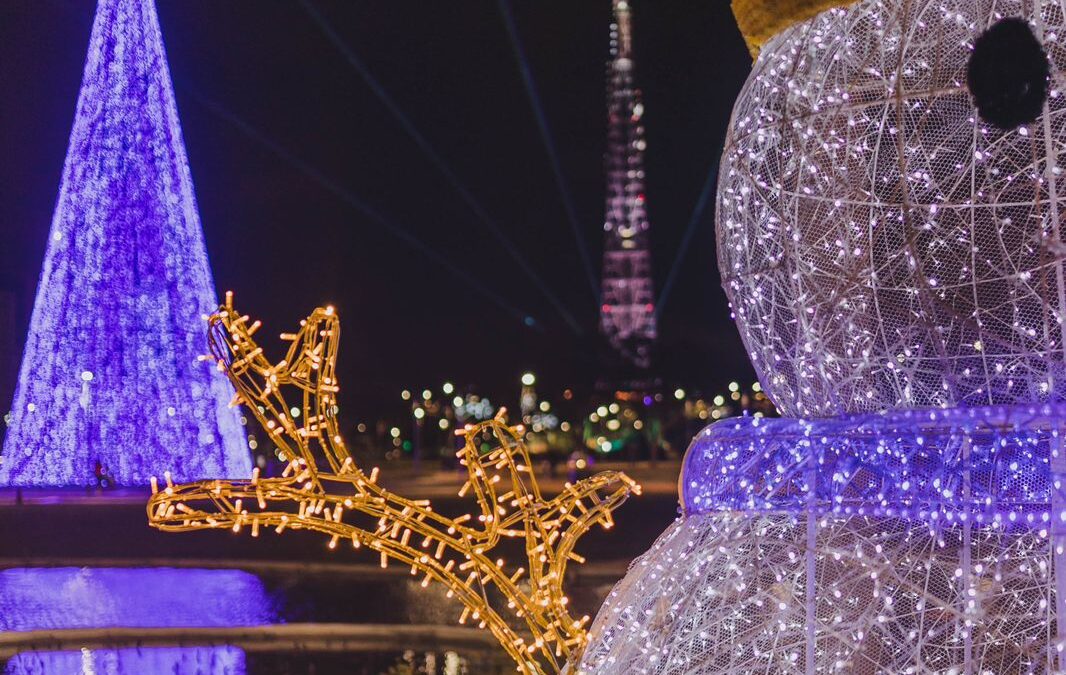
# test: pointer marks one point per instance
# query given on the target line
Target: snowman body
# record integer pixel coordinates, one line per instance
(883, 247)
(922, 541)
(894, 264)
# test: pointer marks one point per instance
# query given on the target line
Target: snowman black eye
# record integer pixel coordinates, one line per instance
(1008, 74)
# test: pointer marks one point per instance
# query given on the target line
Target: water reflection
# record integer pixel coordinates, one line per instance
(159, 597)
(144, 661)
(234, 661)
(66, 598)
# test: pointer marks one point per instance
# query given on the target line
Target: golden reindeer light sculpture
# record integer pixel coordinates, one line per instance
(348, 505)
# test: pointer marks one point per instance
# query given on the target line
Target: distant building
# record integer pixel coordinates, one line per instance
(627, 313)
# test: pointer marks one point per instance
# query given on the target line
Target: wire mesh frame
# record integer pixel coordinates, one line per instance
(880, 245)
(728, 593)
(801, 552)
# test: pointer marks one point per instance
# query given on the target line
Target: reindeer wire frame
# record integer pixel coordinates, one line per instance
(452, 551)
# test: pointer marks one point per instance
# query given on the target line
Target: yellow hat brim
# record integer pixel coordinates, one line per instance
(760, 20)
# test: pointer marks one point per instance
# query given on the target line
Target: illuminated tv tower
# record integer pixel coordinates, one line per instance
(627, 315)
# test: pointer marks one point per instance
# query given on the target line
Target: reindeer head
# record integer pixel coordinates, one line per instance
(347, 504)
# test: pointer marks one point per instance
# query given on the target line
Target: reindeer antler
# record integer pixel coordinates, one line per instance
(345, 503)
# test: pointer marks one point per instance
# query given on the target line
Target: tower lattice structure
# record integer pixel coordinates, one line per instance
(627, 313)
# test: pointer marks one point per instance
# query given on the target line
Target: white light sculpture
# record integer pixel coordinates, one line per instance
(922, 541)
(881, 245)
(894, 263)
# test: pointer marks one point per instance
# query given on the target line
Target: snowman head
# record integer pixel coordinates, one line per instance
(890, 200)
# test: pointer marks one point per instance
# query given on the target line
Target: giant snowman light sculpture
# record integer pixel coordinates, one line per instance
(889, 236)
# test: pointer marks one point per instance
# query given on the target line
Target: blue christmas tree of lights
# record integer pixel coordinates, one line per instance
(110, 373)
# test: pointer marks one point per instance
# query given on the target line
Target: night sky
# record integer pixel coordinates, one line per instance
(283, 134)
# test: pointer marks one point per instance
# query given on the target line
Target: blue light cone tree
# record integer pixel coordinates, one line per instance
(110, 370)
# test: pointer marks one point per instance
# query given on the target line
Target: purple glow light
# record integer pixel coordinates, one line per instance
(157, 597)
(110, 370)
(181, 660)
(989, 465)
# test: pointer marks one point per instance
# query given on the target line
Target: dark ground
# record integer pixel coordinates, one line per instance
(73, 532)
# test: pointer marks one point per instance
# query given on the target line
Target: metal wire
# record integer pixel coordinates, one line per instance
(344, 503)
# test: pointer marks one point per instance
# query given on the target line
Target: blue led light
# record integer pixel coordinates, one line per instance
(990, 464)
(68, 597)
(110, 371)
(198, 660)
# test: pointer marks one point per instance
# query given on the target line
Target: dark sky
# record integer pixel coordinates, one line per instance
(284, 242)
